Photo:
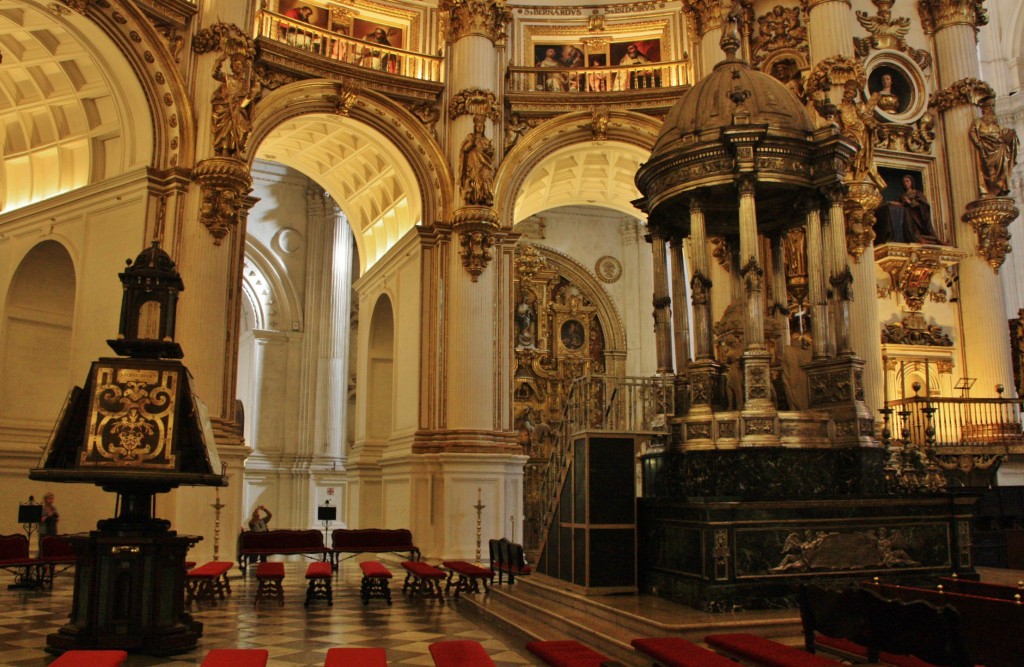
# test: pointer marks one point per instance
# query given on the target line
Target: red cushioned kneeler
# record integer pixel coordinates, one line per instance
(236, 657)
(460, 653)
(566, 653)
(766, 652)
(677, 652)
(90, 659)
(356, 657)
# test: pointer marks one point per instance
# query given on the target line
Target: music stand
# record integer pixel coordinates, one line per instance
(964, 385)
(30, 514)
(325, 514)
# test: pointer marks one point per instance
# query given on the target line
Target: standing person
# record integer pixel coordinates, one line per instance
(258, 525)
(48, 524)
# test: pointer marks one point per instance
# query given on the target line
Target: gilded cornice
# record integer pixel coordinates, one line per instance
(460, 18)
(940, 14)
(964, 91)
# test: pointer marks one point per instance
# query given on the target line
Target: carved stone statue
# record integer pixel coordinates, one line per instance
(477, 178)
(856, 120)
(996, 148)
(230, 103)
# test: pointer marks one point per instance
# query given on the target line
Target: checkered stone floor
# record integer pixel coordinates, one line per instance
(293, 634)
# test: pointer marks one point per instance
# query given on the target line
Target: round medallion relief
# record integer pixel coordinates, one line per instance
(288, 240)
(608, 269)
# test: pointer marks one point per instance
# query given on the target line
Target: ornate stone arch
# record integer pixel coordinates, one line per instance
(268, 288)
(174, 130)
(569, 129)
(402, 128)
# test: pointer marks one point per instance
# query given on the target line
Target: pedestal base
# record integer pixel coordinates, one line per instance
(129, 594)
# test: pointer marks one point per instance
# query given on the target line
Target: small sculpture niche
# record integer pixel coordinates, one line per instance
(891, 90)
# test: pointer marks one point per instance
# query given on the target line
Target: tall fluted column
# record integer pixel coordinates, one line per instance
(816, 277)
(829, 29)
(680, 317)
(780, 308)
(705, 19)
(840, 279)
(751, 271)
(662, 305)
(982, 304)
(700, 285)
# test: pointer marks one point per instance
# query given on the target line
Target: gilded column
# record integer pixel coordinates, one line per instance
(751, 271)
(700, 285)
(662, 305)
(704, 20)
(840, 278)
(829, 28)
(816, 280)
(986, 211)
(680, 314)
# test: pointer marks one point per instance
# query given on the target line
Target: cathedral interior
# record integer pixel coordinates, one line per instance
(688, 297)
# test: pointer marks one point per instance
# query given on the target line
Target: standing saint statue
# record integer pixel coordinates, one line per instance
(477, 174)
(230, 104)
(856, 120)
(996, 148)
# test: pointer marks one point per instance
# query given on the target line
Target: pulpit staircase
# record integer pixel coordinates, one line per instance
(588, 485)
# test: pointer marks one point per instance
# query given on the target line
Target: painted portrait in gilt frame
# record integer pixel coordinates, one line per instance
(318, 16)
(378, 33)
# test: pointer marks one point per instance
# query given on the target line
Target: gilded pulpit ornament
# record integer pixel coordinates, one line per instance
(939, 14)
(888, 33)
(459, 18)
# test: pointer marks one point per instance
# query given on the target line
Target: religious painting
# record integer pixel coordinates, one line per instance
(891, 89)
(572, 335)
(906, 216)
(634, 54)
(299, 10)
(598, 81)
(378, 33)
(559, 56)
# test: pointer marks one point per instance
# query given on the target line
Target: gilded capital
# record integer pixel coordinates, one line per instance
(964, 91)
(940, 14)
(487, 18)
(703, 16)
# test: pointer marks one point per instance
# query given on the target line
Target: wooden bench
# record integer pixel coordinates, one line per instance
(460, 653)
(470, 576)
(355, 541)
(375, 583)
(90, 659)
(423, 579)
(861, 626)
(15, 559)
(567, 653)
(752, 649)
(254, 545)
(269, 577)
(982, 588)
(678, 652)
(54, 551)
(356, 657)
(508, 559)
(318, 576)
(990, 626)
(236, 657)
(208, 582)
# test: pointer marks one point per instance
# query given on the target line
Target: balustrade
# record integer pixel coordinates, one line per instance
(599, 79)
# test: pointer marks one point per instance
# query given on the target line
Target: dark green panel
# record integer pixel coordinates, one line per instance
(612, 496)
(565, 554)
(612, 557)
(579, 550)
(579, 477)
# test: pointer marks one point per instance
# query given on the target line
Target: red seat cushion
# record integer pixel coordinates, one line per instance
(566, 653)
(374, 569)
(766, 652)
(270, 570)
(211, 569)
(91, 659)
(460, 653)
(468, 569)
(356, 657)
(677, 652)
(318, 570)
(423, 570)
(237, 657)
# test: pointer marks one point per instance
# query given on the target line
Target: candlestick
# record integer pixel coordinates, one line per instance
(217, 507)
(479, 509)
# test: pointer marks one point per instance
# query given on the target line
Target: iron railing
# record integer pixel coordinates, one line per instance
(601, 404)
(599, 79)
(345, 49)
(959, 422)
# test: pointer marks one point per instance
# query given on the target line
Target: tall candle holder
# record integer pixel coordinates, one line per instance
(479, 509)
(217, 507)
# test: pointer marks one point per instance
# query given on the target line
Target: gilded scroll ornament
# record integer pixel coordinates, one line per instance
(990, 218)
(345, 97)
(225, 182)
(964, 91)
(916, 138)
(913, 329)
(474, 102)
(459, 18)
(939, 14)
(996, 151)
(477, 168)
(888, 33)
(779, 28)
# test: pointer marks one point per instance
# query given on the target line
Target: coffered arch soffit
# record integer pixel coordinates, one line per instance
(559, 163)
(85, 98)
(377, 161)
